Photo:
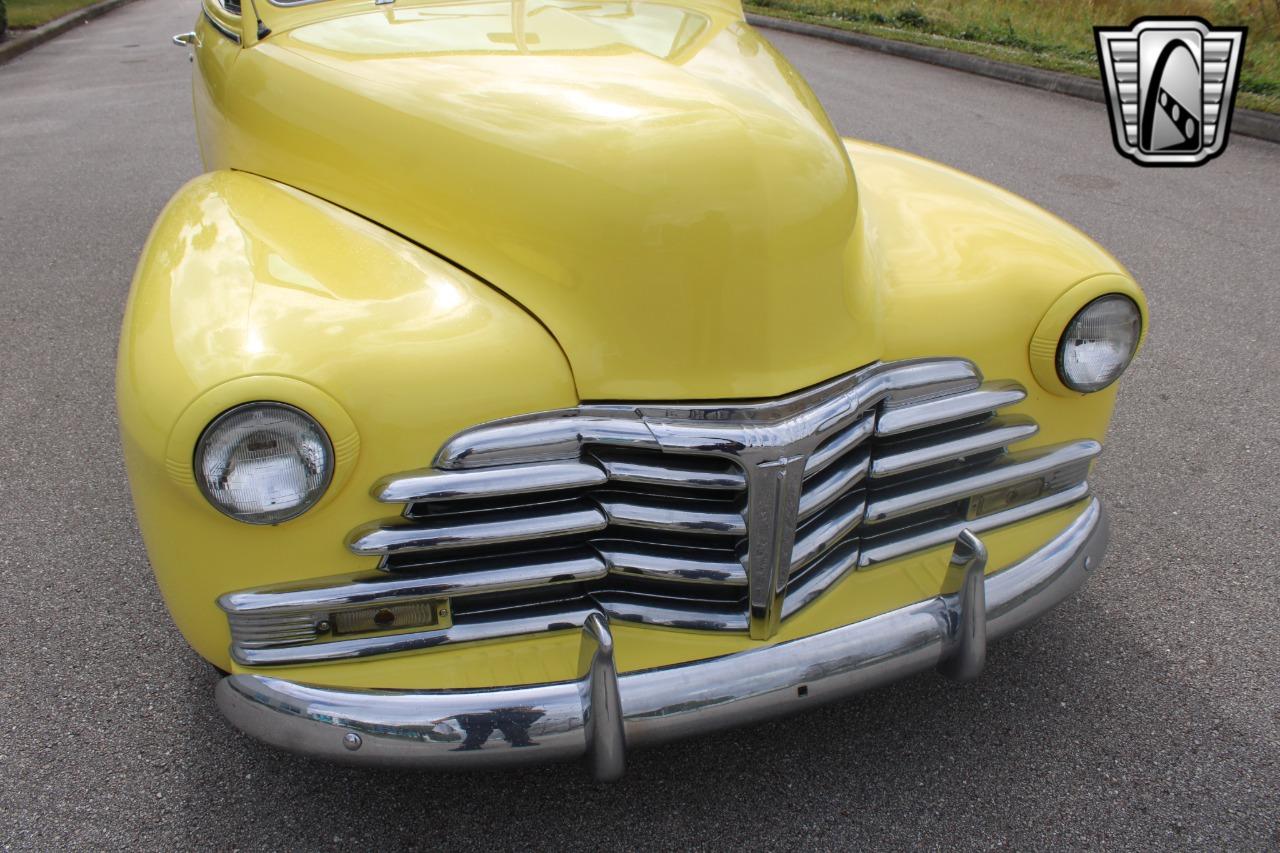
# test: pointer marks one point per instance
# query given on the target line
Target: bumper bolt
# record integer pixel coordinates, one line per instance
(352, 741)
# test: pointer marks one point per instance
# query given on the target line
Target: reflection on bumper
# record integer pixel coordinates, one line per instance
(603, 713)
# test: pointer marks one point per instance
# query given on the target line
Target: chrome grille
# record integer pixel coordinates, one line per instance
(719, 516)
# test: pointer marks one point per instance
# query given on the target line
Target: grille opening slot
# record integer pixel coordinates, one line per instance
(562, 595)
(449, 561)
(712, 498)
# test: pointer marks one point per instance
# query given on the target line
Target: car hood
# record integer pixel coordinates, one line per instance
(652, 181)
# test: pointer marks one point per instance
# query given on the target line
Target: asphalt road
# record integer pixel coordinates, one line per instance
(1144, 713)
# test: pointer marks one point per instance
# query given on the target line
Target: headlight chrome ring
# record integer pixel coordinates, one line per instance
(1101, 349)
(263, 462)
(1099, 343)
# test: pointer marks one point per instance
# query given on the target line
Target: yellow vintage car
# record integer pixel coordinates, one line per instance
(534, 379)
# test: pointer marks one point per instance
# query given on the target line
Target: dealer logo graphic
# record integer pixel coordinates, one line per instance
(1171, 85)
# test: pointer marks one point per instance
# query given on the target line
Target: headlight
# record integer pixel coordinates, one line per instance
(263, 463)
(1099, 343)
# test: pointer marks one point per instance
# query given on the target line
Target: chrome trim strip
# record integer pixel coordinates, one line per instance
(681, 474)
(670, 613)
(688, 515)
(543, 436)
(670, 563)
(991, 395)
(1013, 469)
(347, 591)
(472, 530)
(714, 426)
(921, 380)
(883, 549)
(836, 480)
(922, 453)
(431, 484)
(838, 445)
(819, 535)
(447, 730)
(841, 560)
(213, 22)
(527, 623)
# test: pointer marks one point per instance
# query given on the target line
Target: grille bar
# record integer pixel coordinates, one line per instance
(832, 482)
(688, 515)
(827, 530)
(931, 450)
(991, 396)
(1016, 468)
(530, 621)
(672, 613)
(673, 563)
(543, 437)
(475, 530)
(834, 566)
(435, 485)
(473, 578)
(839, 445)
(898, 543)
(671, 471)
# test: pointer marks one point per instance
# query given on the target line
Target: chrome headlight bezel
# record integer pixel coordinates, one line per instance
(1123, 334)
(295, 426)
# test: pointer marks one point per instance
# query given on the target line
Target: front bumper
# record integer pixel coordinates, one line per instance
(603, 713)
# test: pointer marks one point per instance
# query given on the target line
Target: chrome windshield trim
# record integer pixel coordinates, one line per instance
(213, 22)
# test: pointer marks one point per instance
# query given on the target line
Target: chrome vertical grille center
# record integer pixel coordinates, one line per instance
(725, 516)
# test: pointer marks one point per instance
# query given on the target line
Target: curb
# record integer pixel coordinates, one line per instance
(15, 47)
(1253, 123)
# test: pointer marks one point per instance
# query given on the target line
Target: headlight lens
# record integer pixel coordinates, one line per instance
(264, 463)
(1099, 343)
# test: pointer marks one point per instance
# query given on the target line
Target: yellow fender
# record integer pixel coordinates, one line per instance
(249, 290)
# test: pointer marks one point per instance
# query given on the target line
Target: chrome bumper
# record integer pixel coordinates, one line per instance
(603, 713)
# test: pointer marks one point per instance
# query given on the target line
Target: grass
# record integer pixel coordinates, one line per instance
(1052, 34)
(32, 13)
